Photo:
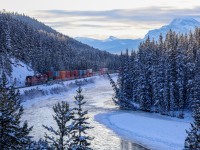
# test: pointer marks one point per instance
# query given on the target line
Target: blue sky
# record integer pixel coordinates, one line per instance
(102, 18)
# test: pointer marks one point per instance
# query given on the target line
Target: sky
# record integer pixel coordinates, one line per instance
(102, 18)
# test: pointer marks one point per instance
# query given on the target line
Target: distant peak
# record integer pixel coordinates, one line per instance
(111, 38)
(184, 20)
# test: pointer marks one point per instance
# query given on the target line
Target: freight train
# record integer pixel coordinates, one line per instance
(62, 75)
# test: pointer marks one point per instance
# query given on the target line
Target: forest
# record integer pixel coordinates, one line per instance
(42, 48)
(162, 76)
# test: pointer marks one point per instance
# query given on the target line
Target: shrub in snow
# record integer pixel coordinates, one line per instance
(40, 145)
(12, 134)
(33, 93)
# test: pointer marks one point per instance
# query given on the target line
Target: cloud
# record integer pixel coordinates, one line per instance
(118, 19)
(146, 14)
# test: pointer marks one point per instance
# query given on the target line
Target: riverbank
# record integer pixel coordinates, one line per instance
(152, 130)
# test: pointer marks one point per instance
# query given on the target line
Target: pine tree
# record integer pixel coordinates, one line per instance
(134, 74)
(192, 141)
(62, 136)
(190, 67)
(12, 134)
(158, 77)
(117, 99)
(123, 88)
(180, 83)
(80, 139)
(145, 75)
(171, 44)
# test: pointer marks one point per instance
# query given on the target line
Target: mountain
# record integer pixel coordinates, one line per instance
(111, 44)
(116, 45)
(179, 25)
(42, 48)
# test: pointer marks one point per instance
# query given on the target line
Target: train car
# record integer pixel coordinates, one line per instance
(56, 75)
(72, 75)
(84, 73)
(103, 71)
(76, 74)
(62, 75)
(68, 76)
(49, 75)
(80, 73)
(89, 72)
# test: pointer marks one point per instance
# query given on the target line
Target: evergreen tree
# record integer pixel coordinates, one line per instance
(180, 83)
(190, 69)
(158, 77)
(145, 75)
(61, 137)
(80, 139)
(12, 134)
(134, 75)
(171, 45)
(192, 141)
(123, 88)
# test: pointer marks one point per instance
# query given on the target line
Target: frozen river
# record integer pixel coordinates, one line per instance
(99, 100)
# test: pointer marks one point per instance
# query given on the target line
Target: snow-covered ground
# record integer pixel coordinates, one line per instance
(153, 130)
(113, 129)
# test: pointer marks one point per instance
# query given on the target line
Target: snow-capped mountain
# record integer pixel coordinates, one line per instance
(111, 44)
(179, 25)
(116, 45)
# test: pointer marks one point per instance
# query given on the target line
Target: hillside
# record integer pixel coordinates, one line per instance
(42, 48)
(19, 72)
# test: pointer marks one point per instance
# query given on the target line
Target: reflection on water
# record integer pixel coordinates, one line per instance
(99, 100)
(126, 145)
(106, 139)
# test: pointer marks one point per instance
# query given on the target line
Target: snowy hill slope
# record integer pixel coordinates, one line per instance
(19, 72)
(179, 25)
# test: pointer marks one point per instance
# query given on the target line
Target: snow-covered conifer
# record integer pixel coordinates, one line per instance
(61, 137)
(13, 133)
(192, 142)
(81, 141)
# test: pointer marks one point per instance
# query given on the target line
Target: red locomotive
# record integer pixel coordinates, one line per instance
(37, 79)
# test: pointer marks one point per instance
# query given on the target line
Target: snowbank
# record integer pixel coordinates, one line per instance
(152, 130)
